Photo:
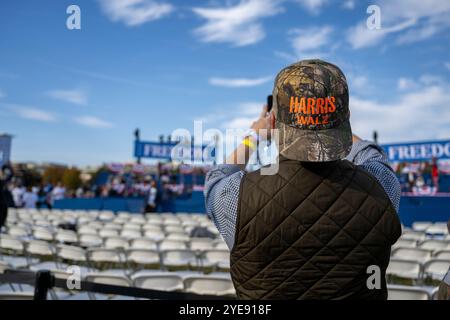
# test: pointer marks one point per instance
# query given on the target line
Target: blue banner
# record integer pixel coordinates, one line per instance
(173, 151)
(5, 148)
(418, 151)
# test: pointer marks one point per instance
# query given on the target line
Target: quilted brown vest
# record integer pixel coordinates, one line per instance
(310, 232)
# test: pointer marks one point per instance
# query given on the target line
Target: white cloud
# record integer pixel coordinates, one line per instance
(416, 115)
(93, 122)
(312, 6)
(312, 42)
(238, 82)
(71, 96)
(33, 113)
(349, 4)
(406, 84)
(239, 24)
(412, 20)
(360, 36)
(135, 12)
(2, 93)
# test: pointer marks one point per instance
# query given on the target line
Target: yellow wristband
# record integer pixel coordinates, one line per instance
(249, 143)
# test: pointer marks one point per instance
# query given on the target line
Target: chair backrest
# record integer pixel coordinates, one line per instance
(87, 230)
(178, 236)
(143, 243)
(103, 255)
(68, 236)
(407, 293)
(43, 234)
(154, 235)
(437, 229)
(405, 243)
(182, 255)
(421, 225)
(172, 245)
(116, 280)
(404, 268)
(417, 254)
(131, 234)
(162, 282)
(209, 285)
(3, 266)
(104, 233)
(116, 243)
(38, 247)
(442, 254)
(143, 256)
(435, 245)
(132, 226)
(413, 235)
(16, 231)
(9, 243)
(436, 268)
(72, 253)
(217, 255)
(89, 240)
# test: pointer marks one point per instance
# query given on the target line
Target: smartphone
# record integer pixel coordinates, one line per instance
(269, 103)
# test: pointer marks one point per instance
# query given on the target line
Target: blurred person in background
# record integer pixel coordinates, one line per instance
(30, 198)
(314, 228)
(17, 193)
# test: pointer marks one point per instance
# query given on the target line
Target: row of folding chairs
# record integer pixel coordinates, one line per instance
(168, 282)
(420, 254)
(436, 228)
(400, 292)
(433, 269)
(429, 244)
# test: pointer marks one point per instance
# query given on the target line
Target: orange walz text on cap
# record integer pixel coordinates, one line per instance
(312, 111)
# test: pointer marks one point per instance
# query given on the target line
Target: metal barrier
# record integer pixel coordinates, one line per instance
(44, 280)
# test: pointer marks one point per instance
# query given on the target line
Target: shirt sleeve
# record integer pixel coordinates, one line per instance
(222, 186)
(372, 158)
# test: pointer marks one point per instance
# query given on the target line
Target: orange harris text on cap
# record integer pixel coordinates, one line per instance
(312, 111)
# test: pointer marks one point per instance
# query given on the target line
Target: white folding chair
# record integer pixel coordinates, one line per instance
(106, 215)
(105, 233)
(178, 236)
(131, 234)
(435, 245)
(72, 253)
(201, 244)
(66, 236)
(154, 235)
(179, 259)
(10, 245)
(417, 254)
(39, 248)
(103, 258)
(43, 234)
(116, 243)
(209, 285)
(111, 279)
(405, 243)
(421, 225)
(436, 269)
(442, 254)
(437, 229)
(172, 245)
(216, 258)
(409, 269)
(16, 231)
(143, 257)
(413, 235)
(143, 243)
(161, 282)
(87, 230)
(90, 240)
(407, 293)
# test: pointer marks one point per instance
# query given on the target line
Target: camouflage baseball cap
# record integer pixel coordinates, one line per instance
(312, 114)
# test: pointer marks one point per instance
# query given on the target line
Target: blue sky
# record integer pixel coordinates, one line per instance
(75, 96)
